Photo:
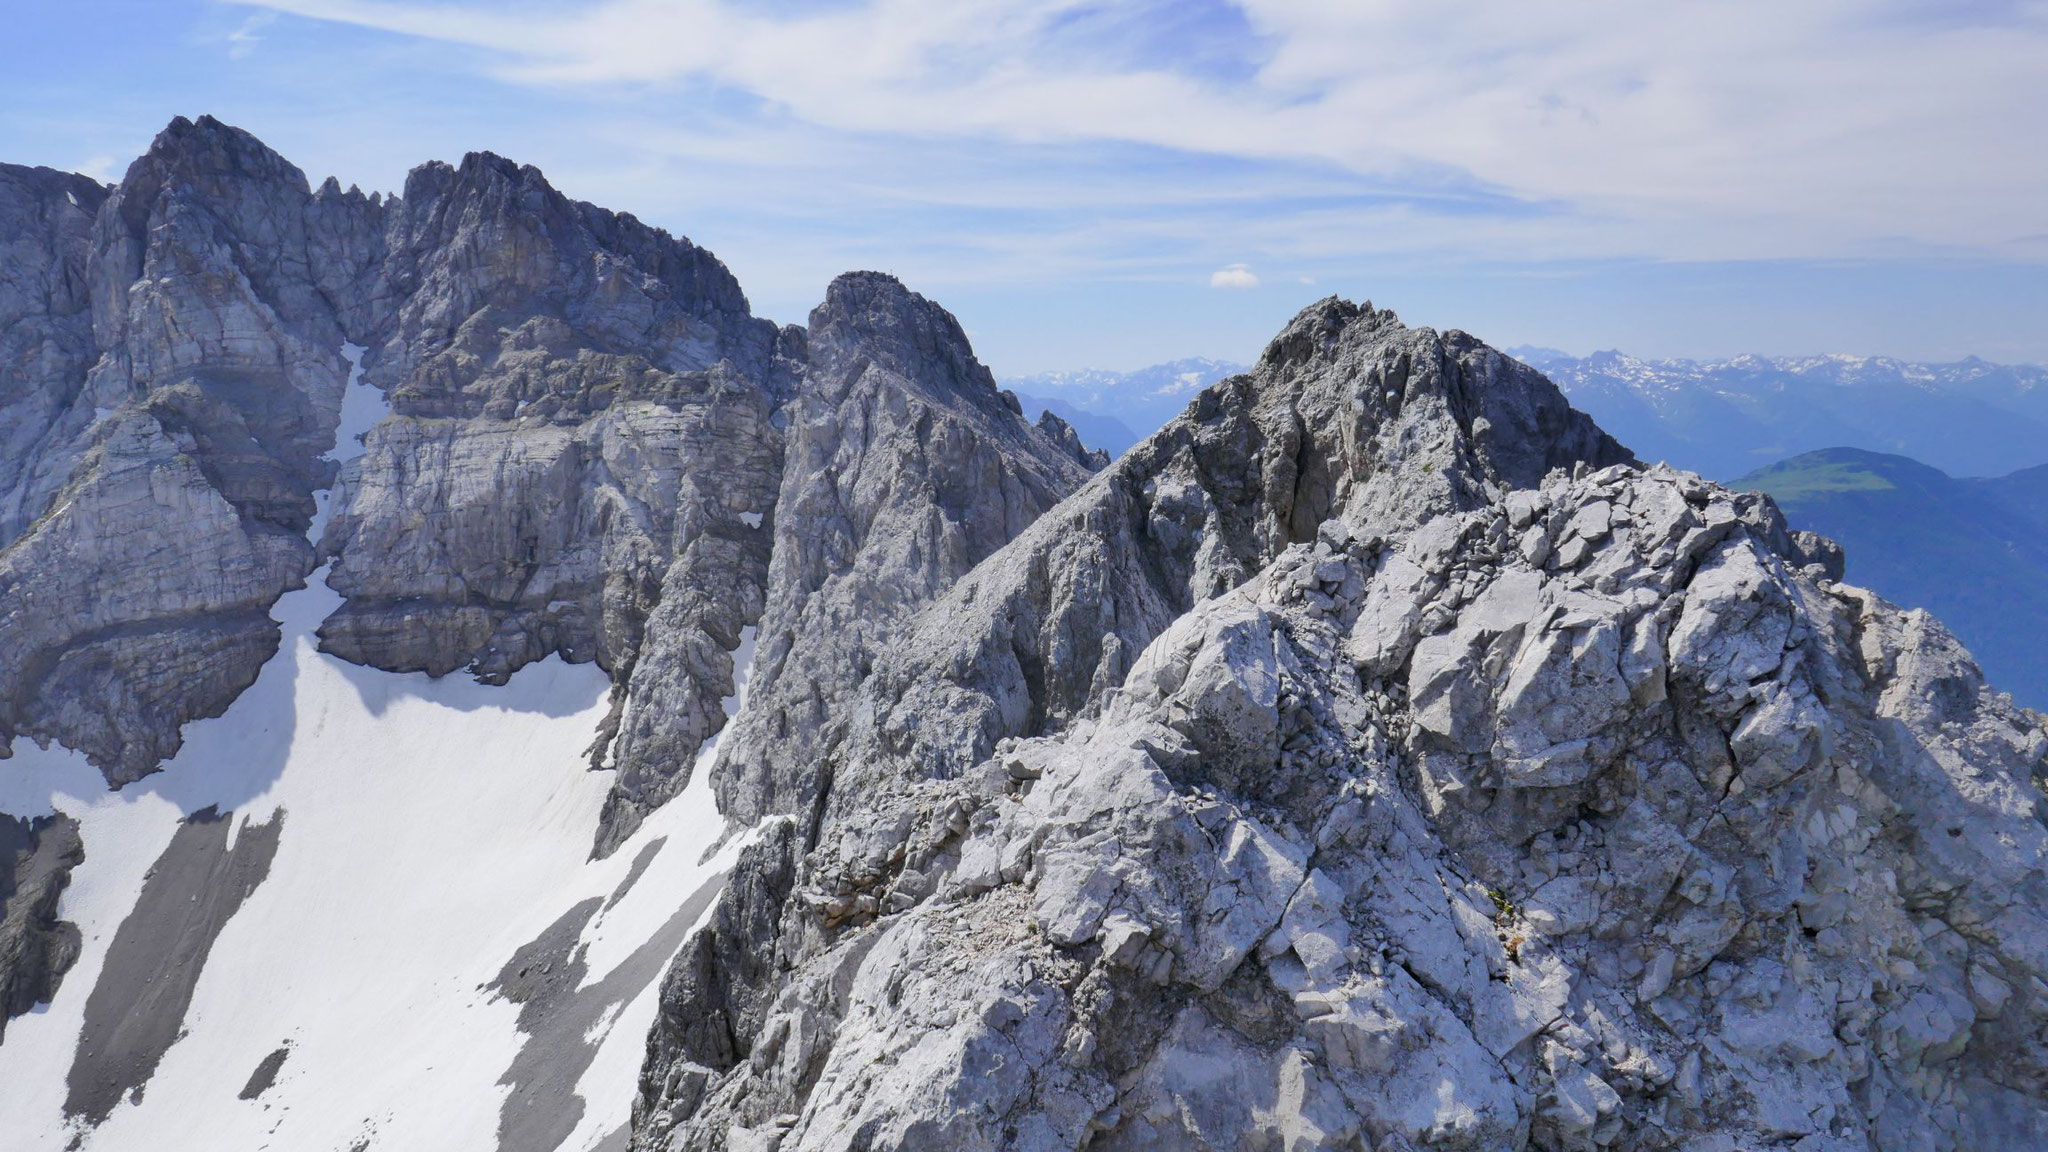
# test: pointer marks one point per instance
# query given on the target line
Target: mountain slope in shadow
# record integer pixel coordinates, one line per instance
(1972, 551)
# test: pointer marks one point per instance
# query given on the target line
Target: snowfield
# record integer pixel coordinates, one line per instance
(429, 830)
(425, 832)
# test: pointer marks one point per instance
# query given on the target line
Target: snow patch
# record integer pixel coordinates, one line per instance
(751, 519)
(363, 407)
(689, 823)
(742, 668)
(434, 827)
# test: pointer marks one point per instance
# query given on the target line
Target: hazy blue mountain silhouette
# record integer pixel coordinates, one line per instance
(1725, 418)
(1972, 551)
(1138, 403)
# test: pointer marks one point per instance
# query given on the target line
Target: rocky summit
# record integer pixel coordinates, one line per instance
(548, 707)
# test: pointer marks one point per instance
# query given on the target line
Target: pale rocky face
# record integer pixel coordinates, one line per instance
(1376, 757)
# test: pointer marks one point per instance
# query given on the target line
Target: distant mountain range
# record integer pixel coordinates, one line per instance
(1114, 410)
(1721, 418)
(1887, 456)
(1726, 418)
(1973, 552)
(1933, 477)
(1095, 430)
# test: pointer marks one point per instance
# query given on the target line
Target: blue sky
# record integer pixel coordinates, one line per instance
(1116, 183)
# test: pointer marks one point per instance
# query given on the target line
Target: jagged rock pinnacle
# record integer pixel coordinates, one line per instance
(1377, 756)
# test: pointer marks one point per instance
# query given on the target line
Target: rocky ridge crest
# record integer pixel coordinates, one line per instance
(1379, 756)
(586, 429)
(1434, 776)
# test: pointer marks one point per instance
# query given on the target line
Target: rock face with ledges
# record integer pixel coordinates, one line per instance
(36, 947)
(169, 500)
(1379, 756)
(1485, 790)
(585, 432)
(566, 386)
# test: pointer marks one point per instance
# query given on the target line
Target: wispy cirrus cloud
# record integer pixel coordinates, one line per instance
(1675, 180)
(244, 39)
(1753, 127)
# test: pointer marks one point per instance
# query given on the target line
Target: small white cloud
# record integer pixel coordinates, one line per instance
(1237, 276)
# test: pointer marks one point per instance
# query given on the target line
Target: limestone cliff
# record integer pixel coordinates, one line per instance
(185, 381)
(1378, 757)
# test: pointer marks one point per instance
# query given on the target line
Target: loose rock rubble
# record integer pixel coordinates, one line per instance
(1569, 809)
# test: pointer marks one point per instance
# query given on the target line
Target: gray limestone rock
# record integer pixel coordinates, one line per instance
(583, 455)
(585, 436)
(163, 507)
(46, 341)
(583, 413)
(904, 468)
(1387, 830)
(36, 948)
(1062, 433)
(1376, 757)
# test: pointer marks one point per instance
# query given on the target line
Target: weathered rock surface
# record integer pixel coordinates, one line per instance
(163, 506)
(1465, 785)
(576, 400)
(46, 343)
(1348, 409)
(905, 468)
(36, 947)
(1377, 757)
(586, 434)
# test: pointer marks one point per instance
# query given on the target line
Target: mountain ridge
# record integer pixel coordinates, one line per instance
(1728, 417)
(1378, 755)
(1971, 550)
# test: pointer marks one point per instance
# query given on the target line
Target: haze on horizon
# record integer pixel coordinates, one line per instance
(1120, 183)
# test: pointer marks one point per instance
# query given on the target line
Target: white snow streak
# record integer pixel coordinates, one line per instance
(689, 820)
(363, 407)
(742, 665)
